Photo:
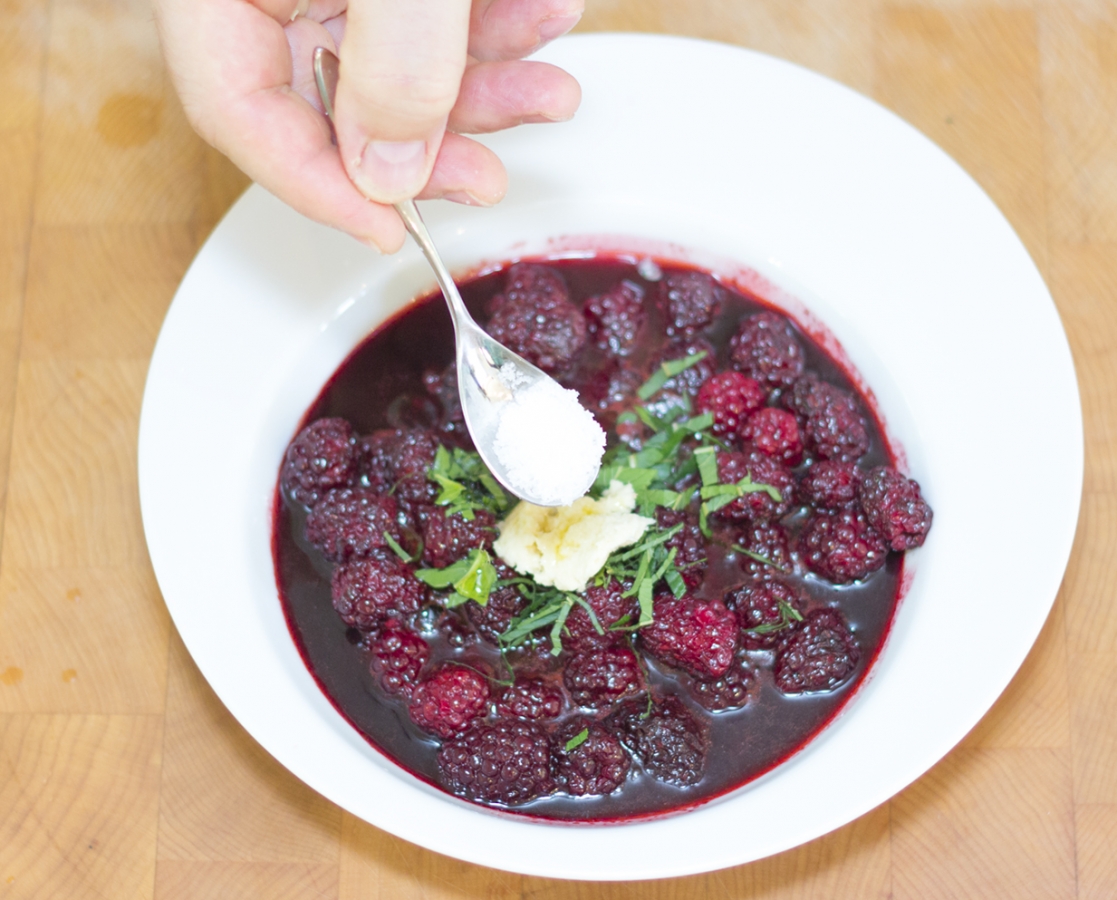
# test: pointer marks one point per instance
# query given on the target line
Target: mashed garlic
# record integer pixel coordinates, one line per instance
(565, 547)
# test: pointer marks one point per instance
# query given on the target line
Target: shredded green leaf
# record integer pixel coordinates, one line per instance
(577, 740)
(394, 546)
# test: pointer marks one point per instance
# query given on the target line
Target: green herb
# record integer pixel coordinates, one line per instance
(667, 370)
(788, 614)
(472, 578)
(577, 740)
(393, 544)
(465, 483)
(752, 554)
(715, 496)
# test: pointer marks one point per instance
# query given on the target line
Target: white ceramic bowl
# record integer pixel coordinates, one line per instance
(735, 161)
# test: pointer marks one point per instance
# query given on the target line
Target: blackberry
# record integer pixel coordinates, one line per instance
(608, 606)
(679, 390)
(698, 636)
(693, 301)
(507, 762)
(768, 546)
(349, 523)
(669, 742)
(367, 591)
(733, 467)
(830, 485)
(599, 678)
(731, 398)
(493, 619)
(374, 459)
(597, 765)
(398, 656)
(689, 544)
(818, 655)
(832, 425)
(321, 457)
(895, 507)
(442, 386)
(412, 455)
(841, 546)
(530, 698)
(447, 701)
(616, 317)
(737, 688)
(766, 611)
(450, 537)
(535, 318)
(765, 348)
(775, 433)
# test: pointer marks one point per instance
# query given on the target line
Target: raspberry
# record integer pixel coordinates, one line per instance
(732, 467)
(448, 538)
(398, 655)
(506, 762)
(832, 426)
(669, 742)
(535, 318)
(699, 636)
(493, 619)
(530, 698)
(775, 433)
(367, 591)
(765, 348)
(599, 678)
(322, 456)
(731, 398)
(689, 544)
(818, 655)
(693, 301)
(841, 546)
(765, 611)
(769, 546)
(737, 688)
(449, 699)
(895, 508)
(608, 606)
(598, 765)
(615, 318)
(349, 523)
(830, 485)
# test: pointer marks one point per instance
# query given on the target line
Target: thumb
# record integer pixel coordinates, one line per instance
(401, 68)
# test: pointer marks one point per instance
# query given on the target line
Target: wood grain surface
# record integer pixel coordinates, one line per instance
(122, 775)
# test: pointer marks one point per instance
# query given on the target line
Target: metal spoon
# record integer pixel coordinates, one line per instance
(479, 358)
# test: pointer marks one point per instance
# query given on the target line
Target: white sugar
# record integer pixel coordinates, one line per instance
(549, 444)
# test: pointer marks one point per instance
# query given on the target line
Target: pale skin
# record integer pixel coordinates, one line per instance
(416, 76)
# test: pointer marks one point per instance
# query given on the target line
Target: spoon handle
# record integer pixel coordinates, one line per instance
(417, 228)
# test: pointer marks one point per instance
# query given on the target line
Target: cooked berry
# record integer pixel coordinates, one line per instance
(398, 656)
(775, 433)
(765, 348)
(597, 765)
(699, 636)
(506, 762)
(818, 655)
(688, 381)
(731, 398)
(766, 610)
(756, 504)
(535, 318)
(609, 607)
(349, 523)
(454, 630)
(895, 508)
(615, 317)
(367, 591)
(449, 699)
(669, 742)
(448, 538)
(768, 546)
(493, 619)
(841, 546)
(530, 698)
(374, 459)
(737, 688)
(321, 457)
(442, 386)
(413, 454)
(693, 301)
(689, 544)
(598, 678)
(832, 426)
(830, 485)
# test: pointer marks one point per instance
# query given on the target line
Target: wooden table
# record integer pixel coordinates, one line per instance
(122, 776)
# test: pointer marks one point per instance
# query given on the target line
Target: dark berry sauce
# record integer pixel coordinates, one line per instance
(401, 378)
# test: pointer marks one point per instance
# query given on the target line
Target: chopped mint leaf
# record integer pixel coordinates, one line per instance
(480, 578)
(706, 457)
(667, 370)
(393, 544)
(559, 624)
(674, 366)
(443, 578)
(577, 740)
(763, 560)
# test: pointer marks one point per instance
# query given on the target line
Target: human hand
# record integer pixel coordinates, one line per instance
(415, 76)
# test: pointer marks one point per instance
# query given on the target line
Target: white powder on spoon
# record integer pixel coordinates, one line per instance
(549, 444)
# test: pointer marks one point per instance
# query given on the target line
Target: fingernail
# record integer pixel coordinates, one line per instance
(556, 26)
(390, 171)
(465, 197)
